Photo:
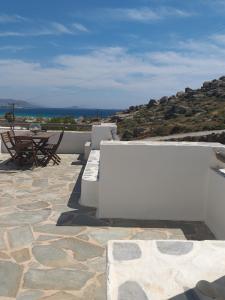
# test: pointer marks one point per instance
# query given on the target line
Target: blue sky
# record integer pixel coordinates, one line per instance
(108, 54)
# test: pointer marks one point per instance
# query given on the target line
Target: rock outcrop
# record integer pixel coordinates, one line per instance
(189, 110)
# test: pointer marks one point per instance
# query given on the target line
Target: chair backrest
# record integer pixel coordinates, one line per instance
(8, 142)
(59, 140)
(11, 134)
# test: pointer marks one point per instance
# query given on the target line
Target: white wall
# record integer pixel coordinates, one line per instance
(72, 142)
(103, 132)
(215, 212)
(89, 182)
(154, 180)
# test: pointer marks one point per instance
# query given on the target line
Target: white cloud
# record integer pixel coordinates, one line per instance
(50, 28)
(13, 48)
(80, 27)
(11, 33)
(218, 38)
(4, 18)
(142, 14)
(58, 28)
(114, 73)
(146, 14)
(115, 69)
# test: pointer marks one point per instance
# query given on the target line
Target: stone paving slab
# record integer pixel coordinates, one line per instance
(166, 269)
(51, 248)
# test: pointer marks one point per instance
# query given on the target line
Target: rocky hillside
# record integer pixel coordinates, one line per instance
(187, 111)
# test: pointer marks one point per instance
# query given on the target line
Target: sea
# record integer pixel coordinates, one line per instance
(60, 112)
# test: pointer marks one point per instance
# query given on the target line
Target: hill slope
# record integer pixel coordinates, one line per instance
(5, 103)
(188, 111)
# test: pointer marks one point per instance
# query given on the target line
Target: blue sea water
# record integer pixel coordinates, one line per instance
(60, 112)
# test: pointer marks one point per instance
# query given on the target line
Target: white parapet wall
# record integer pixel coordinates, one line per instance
(72, 142)
(215, 206)
(102, 132)
(155, 180)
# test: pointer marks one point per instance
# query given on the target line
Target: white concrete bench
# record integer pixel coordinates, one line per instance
(89, 183)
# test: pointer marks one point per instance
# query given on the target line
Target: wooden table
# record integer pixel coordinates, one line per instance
(38, 139)
(35, 136)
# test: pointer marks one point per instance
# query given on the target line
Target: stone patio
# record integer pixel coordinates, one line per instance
(52, 248)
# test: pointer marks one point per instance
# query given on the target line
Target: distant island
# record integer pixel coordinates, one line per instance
(22, 104)
(5, 103)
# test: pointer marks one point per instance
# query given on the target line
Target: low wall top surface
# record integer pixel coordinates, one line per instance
(162, 143)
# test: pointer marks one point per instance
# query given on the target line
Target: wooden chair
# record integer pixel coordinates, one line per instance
(50, 151)
(9, 144)
(26, 150)
(19, 150)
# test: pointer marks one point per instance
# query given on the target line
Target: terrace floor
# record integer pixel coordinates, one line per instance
(50, 247)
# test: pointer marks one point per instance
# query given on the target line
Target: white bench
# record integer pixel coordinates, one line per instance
(90, 178)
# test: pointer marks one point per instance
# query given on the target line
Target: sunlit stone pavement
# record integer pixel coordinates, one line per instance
(53, 249)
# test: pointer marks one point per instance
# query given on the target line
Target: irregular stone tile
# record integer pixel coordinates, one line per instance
(149, 234)
(30, 295)
(82, 250)
(43, 238)
(51, 256)
(20, 237)
(174, 248)
(6, 200)
(57, 200)
(4, 255)
(131, 290)
(56, 279)
(39, 182)
(94, 292)
(21, 256)
(34, 265)
(84, 237)
(24, 217)
(175, 234)
(126, 251)
(33, 205)
(61, 296)
(2, 241)
(102, 236)
(10, 276)
(61, 230)
(97, 290)
(97, 264)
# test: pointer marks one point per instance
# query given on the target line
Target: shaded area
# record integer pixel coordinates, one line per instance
(204, 290)
(7, 165)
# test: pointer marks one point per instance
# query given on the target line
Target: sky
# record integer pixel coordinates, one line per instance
(108, 54)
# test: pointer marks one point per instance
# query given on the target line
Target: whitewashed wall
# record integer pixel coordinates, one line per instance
(215, 206)
(72, 142)
(154, 180)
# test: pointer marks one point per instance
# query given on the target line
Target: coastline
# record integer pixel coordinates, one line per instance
(60, 112)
